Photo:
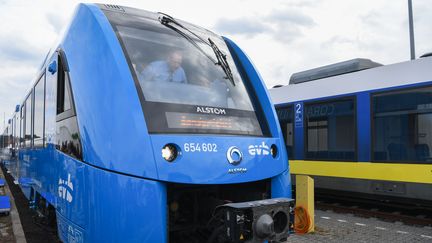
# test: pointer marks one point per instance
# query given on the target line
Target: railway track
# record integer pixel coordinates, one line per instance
(34, 231)
(411, 214)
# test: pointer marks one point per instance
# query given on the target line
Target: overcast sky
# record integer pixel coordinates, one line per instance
(280, 36)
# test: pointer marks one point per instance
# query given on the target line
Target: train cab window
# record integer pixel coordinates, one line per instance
(28, 120)
(66, 101)
(63, 91)
(402, 126)
(67, 135)
(331, 130)
(39, 108)
(285, 116)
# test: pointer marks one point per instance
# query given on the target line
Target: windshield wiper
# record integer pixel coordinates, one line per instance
(221, 61)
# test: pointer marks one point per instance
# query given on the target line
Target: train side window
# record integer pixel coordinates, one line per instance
(18, 128)
(14, 131)
(8, 136)
(39, 112)
(285, 116)
(331, 130)
(68, 139)
(63, 90)
(28, 120)
(22, 113)
(12, 135)
(402, 125)
(2, 141)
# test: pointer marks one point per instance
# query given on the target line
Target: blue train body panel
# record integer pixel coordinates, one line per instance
(108, 100)
(119, 190)
(105, 206)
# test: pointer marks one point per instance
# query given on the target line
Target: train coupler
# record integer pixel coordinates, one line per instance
(256, 221)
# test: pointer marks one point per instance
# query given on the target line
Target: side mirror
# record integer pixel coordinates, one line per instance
(52, 68)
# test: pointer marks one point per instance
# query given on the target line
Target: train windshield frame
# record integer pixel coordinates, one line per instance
(181, 88)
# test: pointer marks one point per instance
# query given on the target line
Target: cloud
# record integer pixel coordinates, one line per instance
(372, 19)
(303, 3)
(243, 26)
(15, 81)
(17, 49)
(284, 25)
(290, 16)
(56, 22)
(337, 41)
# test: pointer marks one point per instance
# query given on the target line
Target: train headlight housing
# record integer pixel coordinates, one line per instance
(169, 152)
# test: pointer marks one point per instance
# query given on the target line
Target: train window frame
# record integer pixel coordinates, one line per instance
(352, 98)
(69, 116)
(287, 106)
(22, 125)
(63, 85)
(18, 128)
(26, 119)
(42, 77)
(388, 91)
(13, 131)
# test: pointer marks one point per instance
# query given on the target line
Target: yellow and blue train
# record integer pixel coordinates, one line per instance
(143, 128)
(361, 128)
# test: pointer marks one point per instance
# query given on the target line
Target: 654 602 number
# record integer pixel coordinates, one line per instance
(199, 147)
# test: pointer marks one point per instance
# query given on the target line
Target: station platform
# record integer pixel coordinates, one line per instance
(336, 227)
(10, 225)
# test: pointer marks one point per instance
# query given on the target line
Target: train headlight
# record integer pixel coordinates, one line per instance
(274, 150)
(169, 152)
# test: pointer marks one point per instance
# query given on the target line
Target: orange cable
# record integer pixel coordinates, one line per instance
(302, 220)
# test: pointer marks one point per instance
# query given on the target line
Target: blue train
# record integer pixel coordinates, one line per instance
(143, 128)
(362, 112)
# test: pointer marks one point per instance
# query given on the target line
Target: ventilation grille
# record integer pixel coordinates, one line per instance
(114, 7)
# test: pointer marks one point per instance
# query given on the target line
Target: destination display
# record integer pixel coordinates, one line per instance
(214, 122)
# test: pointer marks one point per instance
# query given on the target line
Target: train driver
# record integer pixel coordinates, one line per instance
(168, 70)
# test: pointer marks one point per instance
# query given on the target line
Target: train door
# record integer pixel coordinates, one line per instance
(61, 129)
(64, 140)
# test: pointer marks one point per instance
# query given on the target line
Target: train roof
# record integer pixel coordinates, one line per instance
(335, 69)
(393, 75)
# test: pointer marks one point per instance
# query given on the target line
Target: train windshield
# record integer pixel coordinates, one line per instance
(182, 87)
(170, 69)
